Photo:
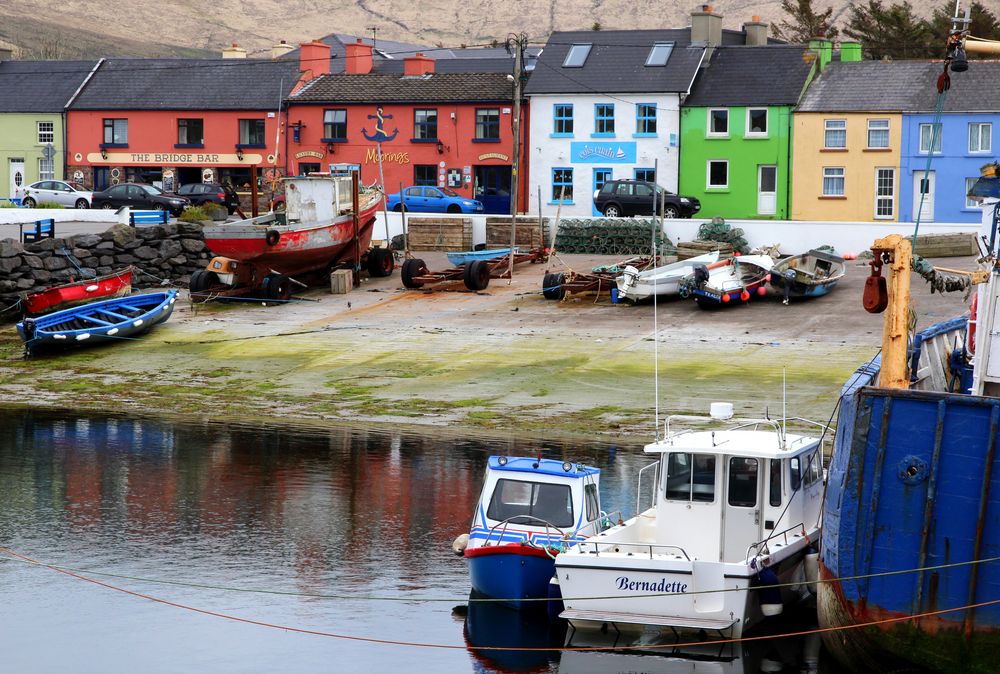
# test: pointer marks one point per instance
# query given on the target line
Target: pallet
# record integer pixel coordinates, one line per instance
(954, 244)
(689, 249)
(442, 234)
(528, 236)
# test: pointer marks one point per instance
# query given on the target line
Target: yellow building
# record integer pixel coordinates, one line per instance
(847, 135)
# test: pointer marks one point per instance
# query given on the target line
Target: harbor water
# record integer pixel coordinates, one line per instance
(142, 545)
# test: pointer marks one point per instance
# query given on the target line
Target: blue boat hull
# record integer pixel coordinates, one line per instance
(913, 484)
(461, 258)
(511, 576)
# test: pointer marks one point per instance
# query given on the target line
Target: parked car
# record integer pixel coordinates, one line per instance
(211, 193)
(139, 195)
(421, 199)
(72, 195)
(619, 198)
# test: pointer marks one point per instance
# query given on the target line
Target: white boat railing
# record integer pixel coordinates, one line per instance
(799, 532)
(638, 496)
(603, 523)
(616, 547)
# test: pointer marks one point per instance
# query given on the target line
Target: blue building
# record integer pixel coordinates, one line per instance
(961, 144)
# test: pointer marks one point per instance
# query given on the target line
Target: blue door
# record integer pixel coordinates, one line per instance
(493, 188)
(601, 176)
(101, 181)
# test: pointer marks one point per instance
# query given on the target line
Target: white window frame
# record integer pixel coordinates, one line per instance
(767, 124)
(708, 174)
(980, 126)
(887, 129)
(842, 177)
(927, 150)
(717, 134)
(891, 197)
(50, 132)
(46, 168)
(827, 128)
(971, 203)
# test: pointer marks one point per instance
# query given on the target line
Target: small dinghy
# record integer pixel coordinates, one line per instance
(635, 285)
(728, 281)
(96, 323)
(461, 257)
(116, 284)
(811, 274)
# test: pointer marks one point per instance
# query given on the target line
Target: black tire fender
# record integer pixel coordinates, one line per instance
(411, 269)
(272, 237)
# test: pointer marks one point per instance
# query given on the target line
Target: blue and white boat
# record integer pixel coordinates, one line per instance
(530, 510)
(461, 257)
(102, 322)
(811, 274)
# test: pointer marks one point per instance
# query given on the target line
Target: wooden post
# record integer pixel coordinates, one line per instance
(895, 329)
(254, 211)
(356, 220)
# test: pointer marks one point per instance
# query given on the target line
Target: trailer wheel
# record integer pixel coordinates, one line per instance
(380, 262)
(552, 286)
(277, 287)
(199, 281)
(477, 274)
(411, 269)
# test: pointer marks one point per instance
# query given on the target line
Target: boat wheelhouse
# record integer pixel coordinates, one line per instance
(732, 508)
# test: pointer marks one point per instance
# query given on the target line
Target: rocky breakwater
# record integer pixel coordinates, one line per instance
(160, 253)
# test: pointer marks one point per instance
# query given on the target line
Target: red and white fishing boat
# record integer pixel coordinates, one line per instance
(115, 284)
(327, 224)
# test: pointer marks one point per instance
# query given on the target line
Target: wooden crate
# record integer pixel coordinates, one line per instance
(439, 233)
(528, 236)
(689, 249)
(952, 244)
(341, 281)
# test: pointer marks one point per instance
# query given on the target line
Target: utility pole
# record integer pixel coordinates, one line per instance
(517, 43)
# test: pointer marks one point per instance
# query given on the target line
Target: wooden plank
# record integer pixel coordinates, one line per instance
(951, 244)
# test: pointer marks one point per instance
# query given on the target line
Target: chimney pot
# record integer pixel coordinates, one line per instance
(755, 18)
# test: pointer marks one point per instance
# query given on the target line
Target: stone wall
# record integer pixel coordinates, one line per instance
(159, 252)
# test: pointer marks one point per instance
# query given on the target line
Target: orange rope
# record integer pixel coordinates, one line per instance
(416, 644)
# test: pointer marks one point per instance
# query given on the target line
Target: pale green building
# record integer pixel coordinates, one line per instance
(34, 96)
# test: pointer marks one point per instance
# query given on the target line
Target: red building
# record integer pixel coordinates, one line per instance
(169, 122)
(421, 127)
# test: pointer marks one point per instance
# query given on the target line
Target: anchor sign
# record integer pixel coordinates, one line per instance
(380, 135)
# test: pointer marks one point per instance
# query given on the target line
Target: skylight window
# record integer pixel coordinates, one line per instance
(659, 54)
(577, 56)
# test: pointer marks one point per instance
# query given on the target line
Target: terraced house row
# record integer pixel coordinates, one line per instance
(751, 127)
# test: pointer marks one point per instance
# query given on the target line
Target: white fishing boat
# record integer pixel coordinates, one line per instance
(734, 514)
(635, 285)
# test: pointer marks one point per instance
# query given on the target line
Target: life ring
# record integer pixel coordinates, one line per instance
(970, 336)
(272, 237)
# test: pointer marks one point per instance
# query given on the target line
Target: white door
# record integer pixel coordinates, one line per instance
(16, 177)
(743, 492)
(767, 190)
(925, 188)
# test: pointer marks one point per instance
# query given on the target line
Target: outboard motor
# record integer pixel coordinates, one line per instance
(629, 276)
(701, 275)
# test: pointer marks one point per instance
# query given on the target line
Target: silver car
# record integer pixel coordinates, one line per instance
(71, 195)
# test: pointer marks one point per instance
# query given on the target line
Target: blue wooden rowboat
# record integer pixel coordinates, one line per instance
(96, 323)
(460, 258)
(811, 274)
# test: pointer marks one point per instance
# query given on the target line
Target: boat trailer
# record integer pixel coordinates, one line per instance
(599, 280)
(475, 274)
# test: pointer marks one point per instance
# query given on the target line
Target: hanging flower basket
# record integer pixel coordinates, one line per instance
(990, 170)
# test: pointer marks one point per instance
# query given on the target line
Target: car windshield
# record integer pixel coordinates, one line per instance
(78, 187)
(149, 189)
(447, 192)
(660, 190)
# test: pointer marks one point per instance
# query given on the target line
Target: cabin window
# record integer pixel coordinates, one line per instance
(529, 502)
(794, 473)
(690, 477)
(742, 482)
(774, 497)
(813, 470)
(593, 505)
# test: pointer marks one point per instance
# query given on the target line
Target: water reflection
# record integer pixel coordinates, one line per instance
(343, 531)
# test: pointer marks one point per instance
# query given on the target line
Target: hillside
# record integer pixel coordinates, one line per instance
(43, 27)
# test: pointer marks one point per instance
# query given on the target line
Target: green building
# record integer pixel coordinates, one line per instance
(33, 119)
(735, 153)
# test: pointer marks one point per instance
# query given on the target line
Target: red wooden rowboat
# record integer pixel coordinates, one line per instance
(116, 284)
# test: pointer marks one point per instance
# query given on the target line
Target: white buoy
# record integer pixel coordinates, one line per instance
(811, 567)
(721, 411)
(460, 544)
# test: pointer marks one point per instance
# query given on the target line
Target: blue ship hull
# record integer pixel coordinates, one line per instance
(913, 484)
(511, 576)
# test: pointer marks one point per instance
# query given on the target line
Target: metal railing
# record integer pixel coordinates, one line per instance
(756, 548)
(616, 547)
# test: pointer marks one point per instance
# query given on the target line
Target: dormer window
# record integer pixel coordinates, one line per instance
(577, 56)
(659, 54)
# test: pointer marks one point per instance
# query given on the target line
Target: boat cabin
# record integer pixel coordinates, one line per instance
(319, 198)
(721, 493)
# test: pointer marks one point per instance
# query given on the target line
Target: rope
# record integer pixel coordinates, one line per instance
(417, 644)
(943, 85)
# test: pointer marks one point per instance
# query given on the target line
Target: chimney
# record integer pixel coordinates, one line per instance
(280, 49)
(314, 60)
(706, 28)
(234, 52)
(417, 65)
(756, 32)
(823, 48)
(359, 58)
(850, 51)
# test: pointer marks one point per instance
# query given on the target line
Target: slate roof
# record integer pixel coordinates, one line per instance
(188, 84)
(903, 86)
(616, 63)
(384, 88)
(742, 75)
(40, 86)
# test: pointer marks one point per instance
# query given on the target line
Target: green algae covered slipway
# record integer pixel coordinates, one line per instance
(501, 361)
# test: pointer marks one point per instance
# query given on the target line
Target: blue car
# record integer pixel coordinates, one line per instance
(420, 199)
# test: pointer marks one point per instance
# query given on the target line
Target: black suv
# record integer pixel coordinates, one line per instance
(214, 193)
(637, 197)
